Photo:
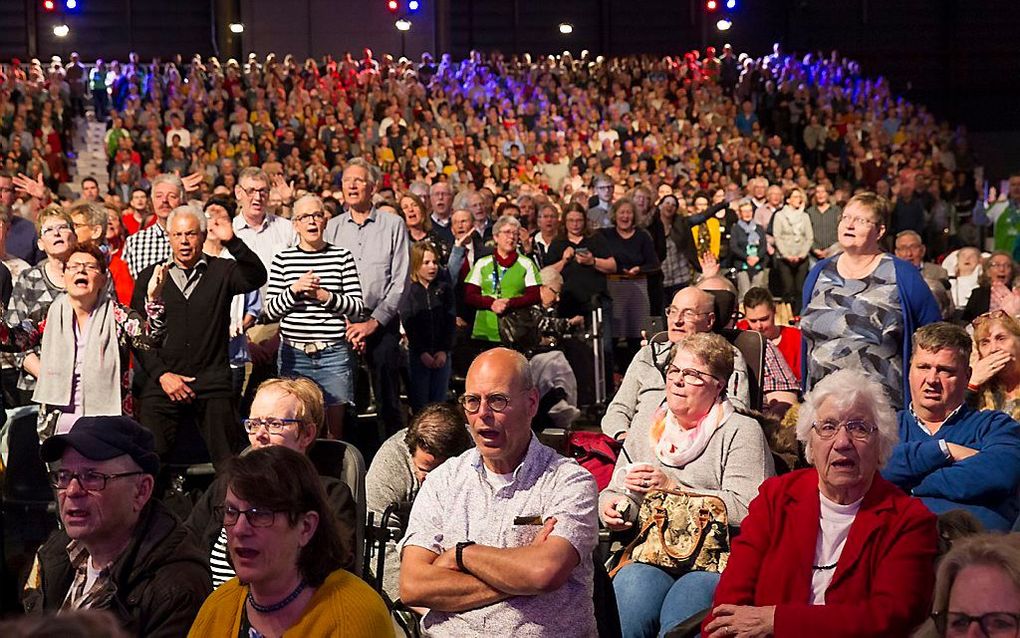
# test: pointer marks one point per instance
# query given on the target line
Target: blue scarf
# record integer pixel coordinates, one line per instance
(751, 229)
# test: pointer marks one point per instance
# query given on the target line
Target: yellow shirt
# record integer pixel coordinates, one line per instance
(342, 607)
(714, 235)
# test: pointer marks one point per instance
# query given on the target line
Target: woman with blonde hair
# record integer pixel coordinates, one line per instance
(791, 226)
(427, 313)
(995, 287)
(978, 581)
(996, 363)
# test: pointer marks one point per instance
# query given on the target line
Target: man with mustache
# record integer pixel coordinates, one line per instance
(950, 455)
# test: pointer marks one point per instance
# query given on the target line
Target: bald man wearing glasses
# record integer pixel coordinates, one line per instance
(500, 538)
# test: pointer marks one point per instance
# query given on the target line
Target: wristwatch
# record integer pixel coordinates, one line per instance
(460, 555)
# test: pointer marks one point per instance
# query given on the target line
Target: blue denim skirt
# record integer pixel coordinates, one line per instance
(332, 369)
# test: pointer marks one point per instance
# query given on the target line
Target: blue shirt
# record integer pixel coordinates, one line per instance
(381, 251)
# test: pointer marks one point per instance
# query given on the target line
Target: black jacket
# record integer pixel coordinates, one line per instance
(161, 578)
(198, 327)
(428, 317)
(680, 235)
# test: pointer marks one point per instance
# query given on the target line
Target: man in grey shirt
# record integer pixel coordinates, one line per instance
(379, 244)
(500, 539)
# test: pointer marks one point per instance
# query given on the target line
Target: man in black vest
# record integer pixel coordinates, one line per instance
(189, 377)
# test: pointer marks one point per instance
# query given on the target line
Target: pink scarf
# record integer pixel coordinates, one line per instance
(677, 446)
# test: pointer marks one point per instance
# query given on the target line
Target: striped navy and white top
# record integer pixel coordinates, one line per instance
(306, 320)
(221, 569)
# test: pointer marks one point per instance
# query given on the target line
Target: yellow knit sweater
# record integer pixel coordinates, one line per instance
(342, 607)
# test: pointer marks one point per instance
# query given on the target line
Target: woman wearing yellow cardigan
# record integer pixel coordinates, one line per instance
(283, 543)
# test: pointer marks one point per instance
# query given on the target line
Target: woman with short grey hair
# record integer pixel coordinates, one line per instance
(501, 282)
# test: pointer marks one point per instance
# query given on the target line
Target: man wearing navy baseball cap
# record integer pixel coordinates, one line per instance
(119, 548)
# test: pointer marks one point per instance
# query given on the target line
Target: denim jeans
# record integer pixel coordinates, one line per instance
(652, 602)
(428, 385)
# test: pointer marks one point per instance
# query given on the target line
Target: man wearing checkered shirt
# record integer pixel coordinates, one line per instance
(152, 245)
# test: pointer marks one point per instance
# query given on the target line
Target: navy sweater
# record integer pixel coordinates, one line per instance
(985, 484)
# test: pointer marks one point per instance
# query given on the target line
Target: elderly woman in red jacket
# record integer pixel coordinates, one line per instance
(834, 550)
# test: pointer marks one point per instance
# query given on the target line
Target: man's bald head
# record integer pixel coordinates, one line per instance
(513, 365)
(691, 312)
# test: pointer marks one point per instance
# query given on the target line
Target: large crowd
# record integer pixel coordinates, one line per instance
(768, 304)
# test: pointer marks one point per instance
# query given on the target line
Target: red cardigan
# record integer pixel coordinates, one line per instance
(883, 580)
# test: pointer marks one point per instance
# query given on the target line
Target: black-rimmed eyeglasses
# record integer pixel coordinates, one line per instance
(90, 480)
(257, 517)
(996, 624)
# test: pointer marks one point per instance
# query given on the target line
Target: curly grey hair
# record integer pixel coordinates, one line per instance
(847, 389)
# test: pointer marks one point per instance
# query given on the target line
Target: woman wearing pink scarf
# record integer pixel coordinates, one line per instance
(697, 443)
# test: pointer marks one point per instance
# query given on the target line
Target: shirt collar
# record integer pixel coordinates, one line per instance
(76, 553)
(201, 264)
(921, 424)
(240, 222)
(522, 474)
(371, 216)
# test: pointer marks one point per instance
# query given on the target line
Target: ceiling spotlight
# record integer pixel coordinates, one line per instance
(236, 27)
(61, 30)
(403, 24)
(566, 28)
(724, 24)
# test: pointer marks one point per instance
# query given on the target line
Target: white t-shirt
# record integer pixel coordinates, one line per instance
(833, 530)
(498, 481)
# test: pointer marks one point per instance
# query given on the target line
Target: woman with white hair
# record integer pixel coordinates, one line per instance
(833, 550)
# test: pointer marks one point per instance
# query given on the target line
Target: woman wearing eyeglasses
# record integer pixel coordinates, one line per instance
(696, 443)
(995, 379)
(995, 287)
(313, 291)
(285, 546)
(861, 307)
(288, 412)
(834, 550)
(86, 339)
(977, 589)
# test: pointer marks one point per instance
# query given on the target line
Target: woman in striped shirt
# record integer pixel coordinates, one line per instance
(313, 289)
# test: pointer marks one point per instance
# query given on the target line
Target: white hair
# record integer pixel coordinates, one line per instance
(503, 222)
(847, 389)
(187, 211)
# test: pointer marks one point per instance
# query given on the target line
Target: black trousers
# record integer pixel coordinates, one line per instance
(791, 281)
(382, 353)
(215, 419)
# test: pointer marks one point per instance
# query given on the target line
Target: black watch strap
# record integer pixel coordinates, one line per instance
(460, 555)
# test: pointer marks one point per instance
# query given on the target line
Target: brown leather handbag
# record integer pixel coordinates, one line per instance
(680, 532)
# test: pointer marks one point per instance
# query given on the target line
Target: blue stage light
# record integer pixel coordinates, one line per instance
(731, 4)
(71, 4)
(413, 5)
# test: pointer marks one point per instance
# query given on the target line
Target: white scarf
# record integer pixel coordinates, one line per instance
(100, 379)
(678, 446)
